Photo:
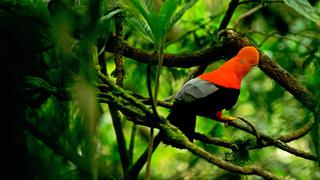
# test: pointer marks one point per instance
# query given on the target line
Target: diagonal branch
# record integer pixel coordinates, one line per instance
(133, 107)
(251, 170)
(231, 9)
(231, 43)
(274, 142)
(174, 136)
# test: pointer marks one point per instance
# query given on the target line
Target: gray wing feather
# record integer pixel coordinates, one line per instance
(195, 89)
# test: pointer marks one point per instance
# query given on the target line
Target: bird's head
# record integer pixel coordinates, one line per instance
(248, 56)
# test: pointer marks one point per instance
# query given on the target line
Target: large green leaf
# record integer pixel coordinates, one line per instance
(166, 12)
(142, 28)
(156, 26)
(304, 8)
(150, 5)
(137, 4)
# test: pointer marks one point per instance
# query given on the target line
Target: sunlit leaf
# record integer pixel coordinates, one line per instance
(179, 14)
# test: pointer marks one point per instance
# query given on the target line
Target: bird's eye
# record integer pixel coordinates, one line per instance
(243, 61)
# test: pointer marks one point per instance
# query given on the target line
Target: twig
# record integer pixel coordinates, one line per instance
(212, 140)
(132, 142)
(275, 142)
(123, 153)
(256, 133)
(247, 14)
(153, 100)
(138, 165)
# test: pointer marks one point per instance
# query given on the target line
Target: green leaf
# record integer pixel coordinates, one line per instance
(139, 7)
(178, 15)
(156, 26)
(304, 8)
(166, 12)
(142, 28)
(159, 22)
(150, 5)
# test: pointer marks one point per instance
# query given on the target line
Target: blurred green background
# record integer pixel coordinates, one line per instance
(50, 51)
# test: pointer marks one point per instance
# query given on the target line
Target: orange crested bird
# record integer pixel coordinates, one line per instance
(210, 93)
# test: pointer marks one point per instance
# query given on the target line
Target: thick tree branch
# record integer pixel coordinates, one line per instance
(232, 42)
(196, 58)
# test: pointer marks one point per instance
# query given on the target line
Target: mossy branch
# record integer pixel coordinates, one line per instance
(131, 104)
(175, 136)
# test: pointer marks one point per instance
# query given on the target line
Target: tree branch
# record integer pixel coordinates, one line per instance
(232, 42)
(275, 142)
(178, 139)
(226, 19)
(196, 58)
(247, 14)
(213, 140)
(251, 170)
(134, 108)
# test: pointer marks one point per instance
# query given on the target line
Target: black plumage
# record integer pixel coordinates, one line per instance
(200, 97)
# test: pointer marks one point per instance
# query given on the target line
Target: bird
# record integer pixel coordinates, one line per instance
(210, 93)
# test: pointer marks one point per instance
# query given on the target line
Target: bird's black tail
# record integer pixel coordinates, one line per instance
(184, 119)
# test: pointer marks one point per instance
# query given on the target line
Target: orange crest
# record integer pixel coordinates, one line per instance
(230, 74)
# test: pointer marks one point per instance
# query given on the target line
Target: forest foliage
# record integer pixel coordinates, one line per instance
(83, 82)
